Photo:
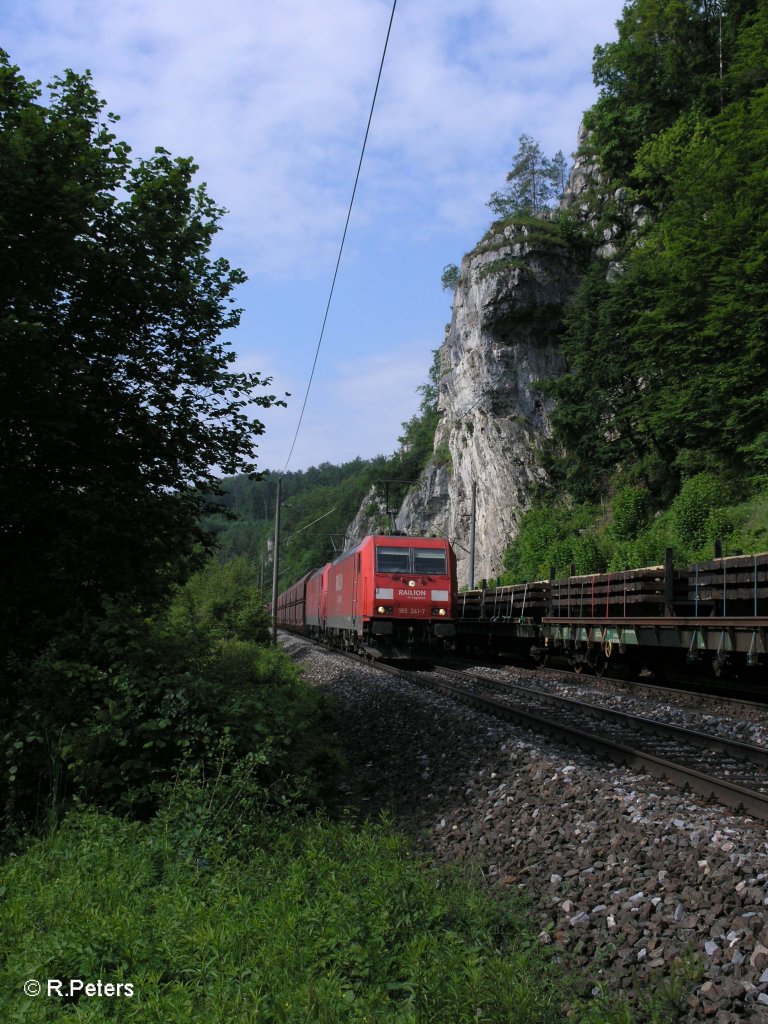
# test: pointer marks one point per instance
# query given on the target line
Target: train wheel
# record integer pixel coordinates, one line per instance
(721, 666)
(539, 656)
(601, 664)
(578, 667)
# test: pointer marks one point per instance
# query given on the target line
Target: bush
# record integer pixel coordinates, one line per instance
(629, 512)
(553, 536)
(221, 600)
(146, 725)
(319, 922)
(111, 728)
(698, 498)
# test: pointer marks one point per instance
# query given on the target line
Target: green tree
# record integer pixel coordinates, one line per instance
(117, 393)
(667, 374)
(450, 277)
(559, 173)
(699, 497)
(221, 602)
(629, 512)
(552, 535)
(533, 181)
(598, 414)
(418, 438)
(667, 59)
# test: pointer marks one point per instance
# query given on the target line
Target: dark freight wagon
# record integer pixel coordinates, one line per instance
(713, 614)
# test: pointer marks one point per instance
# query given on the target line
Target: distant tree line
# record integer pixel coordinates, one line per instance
(246, 523)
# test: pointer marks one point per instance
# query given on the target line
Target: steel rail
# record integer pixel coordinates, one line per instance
(685, 695)
(731, 795)
(709, 741)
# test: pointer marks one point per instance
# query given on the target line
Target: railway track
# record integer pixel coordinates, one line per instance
(691, 692)
(730, 772)
(751, 716)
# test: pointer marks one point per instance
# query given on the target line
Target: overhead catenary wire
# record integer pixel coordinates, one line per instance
(303, 528)
(276, 549)
(343, 239)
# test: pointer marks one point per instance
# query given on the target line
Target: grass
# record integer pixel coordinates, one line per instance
(220, 914)
(503, 265)
(322, 922)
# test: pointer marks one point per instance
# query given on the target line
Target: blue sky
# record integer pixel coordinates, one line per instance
(271, 99)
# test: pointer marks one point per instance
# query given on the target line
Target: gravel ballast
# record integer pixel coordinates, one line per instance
(622, 870)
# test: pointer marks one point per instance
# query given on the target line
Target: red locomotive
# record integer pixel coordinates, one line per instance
(391, 597)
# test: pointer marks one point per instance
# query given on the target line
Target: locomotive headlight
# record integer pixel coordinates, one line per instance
(439, 611)
(384, 609)
(411, 583)
(380, 609)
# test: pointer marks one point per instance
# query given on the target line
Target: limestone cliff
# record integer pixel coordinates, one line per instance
(502, 339)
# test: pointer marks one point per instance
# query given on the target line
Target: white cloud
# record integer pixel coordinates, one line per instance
(355, 409)
(271, 99)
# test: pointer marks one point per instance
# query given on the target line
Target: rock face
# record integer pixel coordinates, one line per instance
(424, 511)
(503, 339)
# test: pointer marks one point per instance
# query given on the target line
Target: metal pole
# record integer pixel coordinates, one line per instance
(472, 518)
(669, 583)
(276, 563)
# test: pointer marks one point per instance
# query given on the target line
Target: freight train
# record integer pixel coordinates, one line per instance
(390, 597)
(712, 615)
(396, 597)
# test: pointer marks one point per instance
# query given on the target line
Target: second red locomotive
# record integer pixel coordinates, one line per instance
(390, 597)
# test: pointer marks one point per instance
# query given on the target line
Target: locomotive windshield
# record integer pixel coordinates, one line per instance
(411, 560)
(429, 560)
(393, 560)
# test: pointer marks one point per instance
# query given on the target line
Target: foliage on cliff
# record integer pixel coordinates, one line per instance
(666, 340)
(624, 532)
(533, 182)
(667, 370)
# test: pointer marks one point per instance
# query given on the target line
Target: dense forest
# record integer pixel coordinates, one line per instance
(661, 419)
(671, 346)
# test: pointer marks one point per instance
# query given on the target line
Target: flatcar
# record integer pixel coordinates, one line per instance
(390, 597)
(712, 615)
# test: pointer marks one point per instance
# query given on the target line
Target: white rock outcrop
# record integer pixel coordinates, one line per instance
(502, 340)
